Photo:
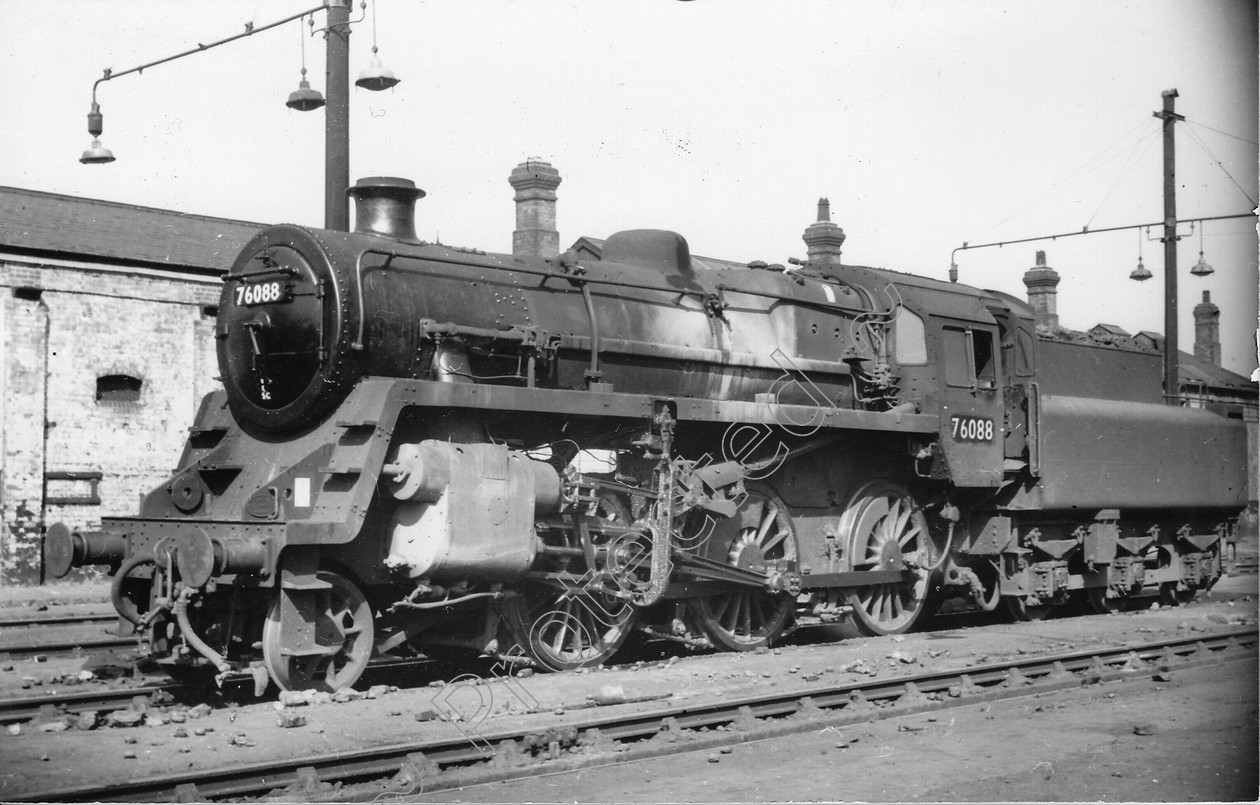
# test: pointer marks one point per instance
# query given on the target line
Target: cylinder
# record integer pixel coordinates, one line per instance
(420, 472)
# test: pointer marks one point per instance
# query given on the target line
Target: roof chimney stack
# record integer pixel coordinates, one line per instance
(1042, 281)
(1207, 330)
(823, 239)
(535, 182)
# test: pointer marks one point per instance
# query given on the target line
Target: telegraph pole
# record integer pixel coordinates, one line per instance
(1171, 384)
(337, 117)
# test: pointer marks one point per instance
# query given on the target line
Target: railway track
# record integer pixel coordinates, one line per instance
(545, 744)
(28, 621)
(105, 700)
(25, 708)
(46, 648)
(58, 635)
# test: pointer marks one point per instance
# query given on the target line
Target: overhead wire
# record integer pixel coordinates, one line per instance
(1199, 141)
(1134, 158)
(1197, 124)
(1094, 163)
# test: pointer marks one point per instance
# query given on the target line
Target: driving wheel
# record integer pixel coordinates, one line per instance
(562, 627)
(887, 532)
(758, 537)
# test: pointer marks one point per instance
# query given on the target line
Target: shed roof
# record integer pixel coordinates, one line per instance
(50, 224)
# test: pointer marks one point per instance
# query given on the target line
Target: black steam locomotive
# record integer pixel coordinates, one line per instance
(421, 447)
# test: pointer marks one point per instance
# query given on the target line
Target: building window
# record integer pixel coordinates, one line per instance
(118, 389)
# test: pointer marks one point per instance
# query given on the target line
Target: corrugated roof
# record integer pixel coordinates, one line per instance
(79, 228)
(1110, 329)
(1193, 369)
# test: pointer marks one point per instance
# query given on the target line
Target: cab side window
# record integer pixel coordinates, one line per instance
(1025, 344)
(969, 358)
(957, 365)
(982, 355)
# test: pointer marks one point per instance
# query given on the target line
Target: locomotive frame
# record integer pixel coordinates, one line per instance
(401, 460)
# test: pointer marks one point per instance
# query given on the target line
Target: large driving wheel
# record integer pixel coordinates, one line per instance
(565, 627)
(759, 537)
(344, 629)
(887, 532)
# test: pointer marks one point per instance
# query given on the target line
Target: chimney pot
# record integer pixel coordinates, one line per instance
(824, 210)
(386, 205)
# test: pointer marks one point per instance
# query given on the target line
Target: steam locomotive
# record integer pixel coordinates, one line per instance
(421, 448)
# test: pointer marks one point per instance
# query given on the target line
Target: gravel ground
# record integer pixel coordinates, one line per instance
(1190, 740)
(35, 759)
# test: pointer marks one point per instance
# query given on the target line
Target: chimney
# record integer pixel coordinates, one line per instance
(535, 183)
(385, 205)
(1041, 281)
(823, 239)
(1207, 330)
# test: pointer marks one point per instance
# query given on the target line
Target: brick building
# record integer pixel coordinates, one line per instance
(107, 314)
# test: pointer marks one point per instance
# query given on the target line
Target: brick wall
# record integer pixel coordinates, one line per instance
(85, 323)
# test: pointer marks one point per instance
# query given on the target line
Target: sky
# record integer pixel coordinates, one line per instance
(926, 123)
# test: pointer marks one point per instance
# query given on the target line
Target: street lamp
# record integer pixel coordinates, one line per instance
(304, 99)
(97, 154)
(1201, 268)
(1141, 273)
(375, 77)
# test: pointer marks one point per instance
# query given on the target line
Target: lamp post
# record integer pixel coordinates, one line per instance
(1170, 238)
(337, 118)
(1171, 379)
(337, 114)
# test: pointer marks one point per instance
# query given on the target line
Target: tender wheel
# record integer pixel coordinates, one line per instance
(887, 532)
(1102, 603)
(565, 628)
(1175, 594)
(345, 626)
(1021, 610)
(758, 537)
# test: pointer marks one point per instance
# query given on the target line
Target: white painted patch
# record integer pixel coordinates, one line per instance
(831, 295)
(302, 492)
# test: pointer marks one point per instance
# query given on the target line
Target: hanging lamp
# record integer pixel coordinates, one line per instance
(304, 99)
(1141, 272)
(1201, 268)
(97, 154)
(376, 77)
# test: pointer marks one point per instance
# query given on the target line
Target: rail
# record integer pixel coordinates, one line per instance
(450, 763)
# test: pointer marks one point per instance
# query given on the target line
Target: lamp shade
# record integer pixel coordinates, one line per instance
(97, 154)
(376, 77)
(304, 99)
